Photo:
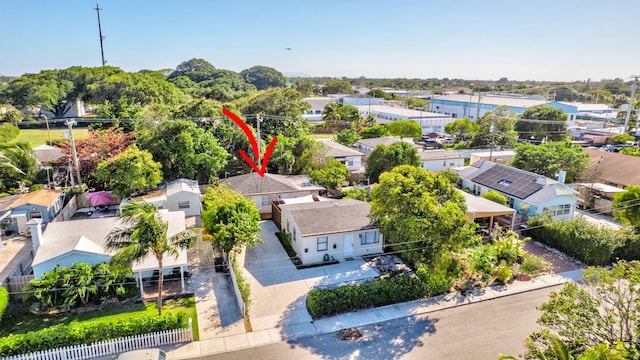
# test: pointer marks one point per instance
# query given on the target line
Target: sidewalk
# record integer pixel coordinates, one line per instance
(363, 317)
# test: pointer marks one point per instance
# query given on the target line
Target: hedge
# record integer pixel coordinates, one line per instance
(87, 333)
(4, 300)
(589, 243)
(391, 290)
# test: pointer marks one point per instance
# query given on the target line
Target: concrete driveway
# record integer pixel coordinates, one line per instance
(279, 290)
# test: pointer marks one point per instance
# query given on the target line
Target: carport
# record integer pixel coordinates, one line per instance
(481, 208)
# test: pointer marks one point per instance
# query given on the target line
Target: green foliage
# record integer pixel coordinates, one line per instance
(495, 197)
(503, 272)
(602, 309)
(627, 206)
(8, 133)
(131, 170)
(332, 175)
(420, 213)
(122, 108)
(18, 165)
(384, 291)
(377, 93)
(184, 150)
(348, 137)
(337, 87)
(384, 158)
(13, 116)
(578, 238)
(534, 265)
(299, 155)
(405, 128)
(357, 193)
(548, 159)
(374, 131)
(4, 300)
(263, 77)
(555, 131)
(337, 114)
(462, 129)
(142, 89)
(87, 333)
(632, 151)
(243, 285)
(482, 258)
(502, 120)
(229, 219)
(622, 138)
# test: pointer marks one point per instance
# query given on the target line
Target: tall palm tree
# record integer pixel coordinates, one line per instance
(143, 233)
(331, 115)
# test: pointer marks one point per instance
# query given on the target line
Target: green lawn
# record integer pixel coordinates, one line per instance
(37, 137)
(25, 321)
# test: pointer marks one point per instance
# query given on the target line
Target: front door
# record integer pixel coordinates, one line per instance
(348, 245)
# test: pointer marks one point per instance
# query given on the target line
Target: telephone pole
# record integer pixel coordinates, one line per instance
(97, 9)
(258, 121)
(70, 123)
(633, 95)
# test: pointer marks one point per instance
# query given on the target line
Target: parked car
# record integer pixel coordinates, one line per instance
(144, 354)
(429, 143)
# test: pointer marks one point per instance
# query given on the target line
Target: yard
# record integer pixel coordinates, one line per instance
(20, 320)
(37, 137)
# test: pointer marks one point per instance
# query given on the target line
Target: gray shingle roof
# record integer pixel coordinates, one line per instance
(254, 184)
(328, 217)
(335, 149)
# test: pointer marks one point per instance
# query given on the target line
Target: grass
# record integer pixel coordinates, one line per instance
(24, 321)
(37, 137)
(534, 265)
(321, 136)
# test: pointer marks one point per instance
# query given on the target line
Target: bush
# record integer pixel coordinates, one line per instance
(586, 242)
(87, 333)
(4, 300)
(243, 285)
(482, 258)
(534, 265)
(384, 291)
(503, 273)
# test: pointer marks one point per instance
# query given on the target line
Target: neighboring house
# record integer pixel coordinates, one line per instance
(428, 121)
(178, 195)
(16, 210)
(436, 160)
(480, 209)
(317, 105)
(500, 157)
(82, 241)
(526, 192)
(598, 196)
(337, 229)
(367, 145)
(614, 169)
(351, 158)
(263, 190)
(76, 109)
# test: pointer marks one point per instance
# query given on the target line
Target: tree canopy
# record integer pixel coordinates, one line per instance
(131, 170)
(384, 158)
(337, 87)
(502, 121)
(627, 207)
(462, 129)
(548, 159)
(420, 213)
(332, 175)
(229, 219)
(263, 77)
(405, 128)
(542, 121)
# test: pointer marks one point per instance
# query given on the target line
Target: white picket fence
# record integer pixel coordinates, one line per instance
(111, 347)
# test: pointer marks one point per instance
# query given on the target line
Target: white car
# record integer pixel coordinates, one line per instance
(145, 354)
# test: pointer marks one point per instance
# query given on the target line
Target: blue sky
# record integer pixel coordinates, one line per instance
(560, 40)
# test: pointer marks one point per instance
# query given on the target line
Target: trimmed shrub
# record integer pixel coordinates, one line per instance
(87, 333)
(4, 300)
(385, 291)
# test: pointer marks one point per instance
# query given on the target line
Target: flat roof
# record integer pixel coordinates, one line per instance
(515, 101)
(403, 112)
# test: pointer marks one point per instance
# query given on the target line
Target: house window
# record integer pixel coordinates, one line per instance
(511, 201)
(558, 210)
(476, 189)
(323, 243)
(184, 204)
(452, 163)
(505, 182)
(370, 237)
(350, 162)
(35, 215)
(265, 200)
(444, 163)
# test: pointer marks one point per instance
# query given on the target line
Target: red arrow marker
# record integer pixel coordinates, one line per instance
(254, 144)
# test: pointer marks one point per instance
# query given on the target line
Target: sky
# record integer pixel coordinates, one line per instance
(554, 40)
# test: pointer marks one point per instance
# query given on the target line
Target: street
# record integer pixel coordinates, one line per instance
(476, 331)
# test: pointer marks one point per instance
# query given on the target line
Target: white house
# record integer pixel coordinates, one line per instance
(264, 190)
(367, 145)
(351, 158)
(526, 192)
(178, 195)
(437, 160)
(336, 229)
(428, 121)
(82, 241)
(317, 105)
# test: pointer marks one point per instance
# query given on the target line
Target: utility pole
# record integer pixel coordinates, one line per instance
(70, 123)
(258, 121)
(46, 120)
(97, 9)
(478, 107)
(492, 130)
(633, 95)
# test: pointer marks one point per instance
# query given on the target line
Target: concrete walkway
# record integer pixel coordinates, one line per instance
(363, 317)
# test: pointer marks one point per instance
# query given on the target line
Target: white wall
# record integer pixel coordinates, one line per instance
(438, 165)
(194, 208)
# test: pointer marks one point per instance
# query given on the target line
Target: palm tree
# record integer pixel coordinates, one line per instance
(143, 233)
(331, 115)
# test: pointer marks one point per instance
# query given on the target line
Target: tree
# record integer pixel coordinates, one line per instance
(199, 108)
(348, 137)
(548, 159)
(305, 88)
(4, 301)
(602, 309)
(229, 219)
(377, 93)
(299, 155)
(13, 116)
(384, 158)
(337, 87)
(495, 197)
(18, 166)
(336, 114)
(502, 121)
(263, 77)
(626, 206)
(374, 131)
(123, 108)
(184, 150)
(194, 69)
(405, 128)
(546, 122)
(8, 132)
(332, 176)
(131, 170)
(462, 129)
(420, 213)
(142, 89)
(144, 233)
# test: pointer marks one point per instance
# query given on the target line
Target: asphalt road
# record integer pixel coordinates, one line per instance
(477, 331)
